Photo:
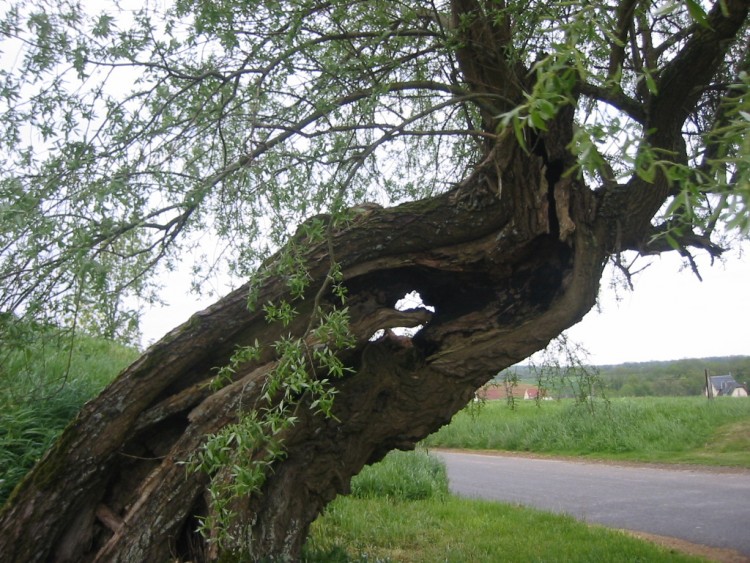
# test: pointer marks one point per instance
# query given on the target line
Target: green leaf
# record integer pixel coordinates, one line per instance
(650, 82)
(697, 13)
(537, 121)
(103, 26)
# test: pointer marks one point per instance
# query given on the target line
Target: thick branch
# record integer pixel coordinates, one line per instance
(502, 283)
(485, 37)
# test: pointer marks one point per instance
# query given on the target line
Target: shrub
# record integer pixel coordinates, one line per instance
(403, 476)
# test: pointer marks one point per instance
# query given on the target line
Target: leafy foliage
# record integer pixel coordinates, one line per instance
(245, 117)
(239, 457)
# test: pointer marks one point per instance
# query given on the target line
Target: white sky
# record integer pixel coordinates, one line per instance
(671, 314)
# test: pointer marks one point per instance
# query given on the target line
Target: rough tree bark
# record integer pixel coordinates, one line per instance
(508, 258)
(502, 283)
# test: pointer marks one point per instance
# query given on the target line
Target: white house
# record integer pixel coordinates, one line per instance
(725, 386)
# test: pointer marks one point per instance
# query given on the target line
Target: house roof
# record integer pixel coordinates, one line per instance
(495, 391)
(724, 384)
(719, 380)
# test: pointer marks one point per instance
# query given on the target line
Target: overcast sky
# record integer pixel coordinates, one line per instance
(670, 315)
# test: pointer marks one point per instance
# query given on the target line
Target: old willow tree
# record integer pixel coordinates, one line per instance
(490, 156)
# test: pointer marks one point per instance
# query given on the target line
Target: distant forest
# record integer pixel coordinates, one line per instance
(644, 379)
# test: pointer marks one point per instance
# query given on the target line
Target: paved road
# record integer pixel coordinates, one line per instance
(704, 507)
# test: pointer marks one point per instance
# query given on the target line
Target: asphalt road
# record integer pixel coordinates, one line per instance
(701, 506)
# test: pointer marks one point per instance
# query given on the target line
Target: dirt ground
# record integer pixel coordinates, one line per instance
(717, 554)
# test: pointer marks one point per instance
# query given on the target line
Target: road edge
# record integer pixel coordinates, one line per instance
(716, 554)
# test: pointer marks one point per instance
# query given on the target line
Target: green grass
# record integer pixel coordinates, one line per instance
(41, 390)
(400, 509)
(444, 528)
(404, 476)
(665, 429)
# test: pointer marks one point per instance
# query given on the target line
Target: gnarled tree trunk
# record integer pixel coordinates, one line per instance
(503, 277)
(508, 258)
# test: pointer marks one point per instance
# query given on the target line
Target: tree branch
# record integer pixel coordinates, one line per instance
(615, 98)
(679, 87)
(682, 80)
(658, 243)
(484, 38)
(625, 12)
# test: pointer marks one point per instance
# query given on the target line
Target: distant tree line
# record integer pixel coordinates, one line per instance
(658, 378)
(672, 378)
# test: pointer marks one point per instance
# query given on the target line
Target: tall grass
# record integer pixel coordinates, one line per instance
(651, 429)
(402, 475)
(42, 388)
(381, 522)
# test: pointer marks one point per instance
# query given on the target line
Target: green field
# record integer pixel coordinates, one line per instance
(648, 429)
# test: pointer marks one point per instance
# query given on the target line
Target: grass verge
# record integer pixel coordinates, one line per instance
(664, 429)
